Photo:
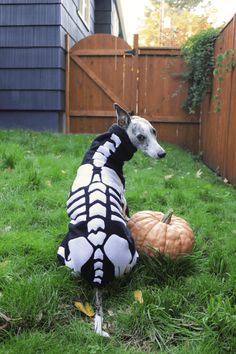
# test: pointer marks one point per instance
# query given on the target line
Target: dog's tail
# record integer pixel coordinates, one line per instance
(98, 320)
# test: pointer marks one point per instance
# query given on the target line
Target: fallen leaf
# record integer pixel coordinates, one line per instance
(138, 296)
(110, 312)
(39, 316)
(7, 228)
(199, 173)
(87, 309)
(4, 263)
(49, 183)
(168, 177)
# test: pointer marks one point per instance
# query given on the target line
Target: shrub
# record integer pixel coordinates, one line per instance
(198, 53)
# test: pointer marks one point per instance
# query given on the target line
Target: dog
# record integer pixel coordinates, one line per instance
(98, 244)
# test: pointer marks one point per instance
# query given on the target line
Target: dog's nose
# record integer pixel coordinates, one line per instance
(161, 154)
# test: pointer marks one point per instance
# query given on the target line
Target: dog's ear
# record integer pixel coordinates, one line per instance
(123, 117)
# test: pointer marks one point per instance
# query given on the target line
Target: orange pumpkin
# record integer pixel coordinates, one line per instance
(168, 234)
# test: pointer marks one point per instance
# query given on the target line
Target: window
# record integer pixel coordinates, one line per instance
(84, 11)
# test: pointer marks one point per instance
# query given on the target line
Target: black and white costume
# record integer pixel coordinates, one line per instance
(99, 244)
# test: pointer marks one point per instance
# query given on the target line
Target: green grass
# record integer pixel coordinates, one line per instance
(189, 304)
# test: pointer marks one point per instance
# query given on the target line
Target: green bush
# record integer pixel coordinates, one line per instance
(198, 53)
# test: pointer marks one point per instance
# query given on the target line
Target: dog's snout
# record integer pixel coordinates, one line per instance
(161, 154)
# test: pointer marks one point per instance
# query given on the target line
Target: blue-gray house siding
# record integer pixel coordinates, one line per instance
(104, 17)
(32, 57)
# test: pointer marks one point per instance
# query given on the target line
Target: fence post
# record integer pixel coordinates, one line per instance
(135, 75)
(67, 89)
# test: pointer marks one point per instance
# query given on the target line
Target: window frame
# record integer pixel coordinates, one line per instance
(84, 12)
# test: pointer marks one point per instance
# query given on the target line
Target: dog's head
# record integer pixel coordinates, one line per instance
(141, 133)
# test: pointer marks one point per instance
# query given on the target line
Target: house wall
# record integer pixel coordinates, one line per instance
(103, 16)
(32, 60)
(71, 22)
(106, 17)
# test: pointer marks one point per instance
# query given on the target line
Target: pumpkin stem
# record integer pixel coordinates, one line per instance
(167, 217)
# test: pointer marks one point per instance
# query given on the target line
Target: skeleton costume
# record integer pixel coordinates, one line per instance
(99, 244)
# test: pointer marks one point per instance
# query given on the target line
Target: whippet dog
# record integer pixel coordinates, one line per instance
(99, 244)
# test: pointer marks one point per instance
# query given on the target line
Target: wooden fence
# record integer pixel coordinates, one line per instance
(161, 94)
(103, 69)
(218, 130)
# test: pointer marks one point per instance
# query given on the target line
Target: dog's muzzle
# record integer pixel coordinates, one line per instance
(161, 154)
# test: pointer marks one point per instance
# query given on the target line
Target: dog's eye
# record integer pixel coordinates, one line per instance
(141, 137)
(154, 132)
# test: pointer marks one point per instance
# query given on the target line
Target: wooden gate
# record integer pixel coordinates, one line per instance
(101, 72)
(103, 69)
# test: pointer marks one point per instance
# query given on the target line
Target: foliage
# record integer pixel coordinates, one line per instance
(184, 4)
(181, 23)
(225, 63)
(187, 305)
(198, 53)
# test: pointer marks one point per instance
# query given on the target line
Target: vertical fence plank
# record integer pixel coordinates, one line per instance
(218, 129)
(67, 93)
(135, 75)
(230, 157)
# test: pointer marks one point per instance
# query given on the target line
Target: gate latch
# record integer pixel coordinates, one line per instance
(131, 51)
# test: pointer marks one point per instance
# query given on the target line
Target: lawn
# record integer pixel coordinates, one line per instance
(189, 304)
